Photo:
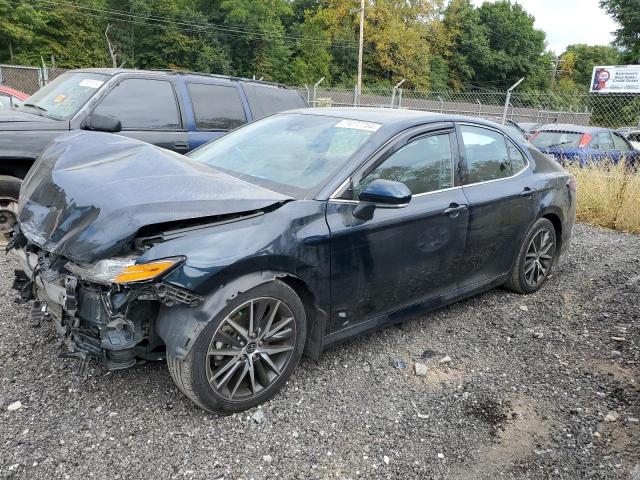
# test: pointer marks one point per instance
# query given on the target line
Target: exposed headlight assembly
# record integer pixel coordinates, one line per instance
(124, 270)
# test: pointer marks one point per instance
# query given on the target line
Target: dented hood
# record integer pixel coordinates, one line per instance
(89, 193)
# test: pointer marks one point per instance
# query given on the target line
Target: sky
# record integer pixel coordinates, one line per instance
(569, 21)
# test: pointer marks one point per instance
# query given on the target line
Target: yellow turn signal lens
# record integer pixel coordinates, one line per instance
(145, 271)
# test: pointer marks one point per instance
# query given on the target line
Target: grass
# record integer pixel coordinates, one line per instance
(608, 196)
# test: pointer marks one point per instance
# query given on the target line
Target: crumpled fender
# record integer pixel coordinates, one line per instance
(180, 326)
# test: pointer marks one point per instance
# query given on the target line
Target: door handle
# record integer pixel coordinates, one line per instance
(180, 146)
(454, 210)
(528, 192)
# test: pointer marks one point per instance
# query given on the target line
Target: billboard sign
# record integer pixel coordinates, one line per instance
(616, 79)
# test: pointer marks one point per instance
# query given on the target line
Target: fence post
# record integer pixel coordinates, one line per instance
(393, 93)
(306, 87)
(400, 98)
(1, 79)
(315, 89)
(506, 102)
(479, 107)
(441, 104)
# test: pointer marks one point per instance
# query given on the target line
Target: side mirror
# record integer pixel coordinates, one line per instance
(381, 194)
(102, 123)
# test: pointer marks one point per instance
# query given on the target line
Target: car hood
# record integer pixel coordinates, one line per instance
(89, 193)
(16, 120)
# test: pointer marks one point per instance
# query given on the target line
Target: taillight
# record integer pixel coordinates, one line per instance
(532, 136)
(585, 140)
(572, 183)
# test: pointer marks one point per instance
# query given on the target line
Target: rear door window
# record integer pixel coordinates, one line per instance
(142, 104)
(216, 107)
(486, 154)
(620, 143)
(605, 142)
(265, 100)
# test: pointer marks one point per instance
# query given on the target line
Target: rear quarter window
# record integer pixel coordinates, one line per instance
(216, 107)
(265, 100)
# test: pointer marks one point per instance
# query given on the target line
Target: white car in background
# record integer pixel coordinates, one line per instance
(634, 138)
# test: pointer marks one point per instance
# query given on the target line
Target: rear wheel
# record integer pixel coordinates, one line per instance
(535, 259)
(9, 193)
(246, 353)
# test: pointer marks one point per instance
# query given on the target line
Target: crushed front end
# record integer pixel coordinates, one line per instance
(103, 310)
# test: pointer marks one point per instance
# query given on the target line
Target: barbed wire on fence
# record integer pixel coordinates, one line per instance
(594, 109)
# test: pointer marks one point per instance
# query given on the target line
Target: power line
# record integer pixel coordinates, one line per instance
(128, 17)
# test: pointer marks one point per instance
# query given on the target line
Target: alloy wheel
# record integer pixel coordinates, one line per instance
(251, 348)
(539, 257)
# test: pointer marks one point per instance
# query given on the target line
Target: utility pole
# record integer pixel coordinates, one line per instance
(360, 48)
(555, 63)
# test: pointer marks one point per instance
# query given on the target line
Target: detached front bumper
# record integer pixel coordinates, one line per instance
(111, 322)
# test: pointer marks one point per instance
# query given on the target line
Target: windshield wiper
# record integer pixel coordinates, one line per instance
(42, 111)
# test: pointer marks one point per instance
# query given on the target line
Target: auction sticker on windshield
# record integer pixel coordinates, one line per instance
(358, 125)
(91, 83)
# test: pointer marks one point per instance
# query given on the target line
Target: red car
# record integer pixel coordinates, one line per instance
(10, 97)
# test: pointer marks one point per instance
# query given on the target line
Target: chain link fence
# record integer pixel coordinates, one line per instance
(595, 109)
(602, 110)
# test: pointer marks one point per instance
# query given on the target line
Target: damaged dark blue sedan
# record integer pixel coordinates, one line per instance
(285, 236)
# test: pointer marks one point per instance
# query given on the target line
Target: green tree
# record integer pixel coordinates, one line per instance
(578, 60)
(465, 37)
(255, 36)
(627, 37)
(312, 58)
(516, 47)
(31, 31)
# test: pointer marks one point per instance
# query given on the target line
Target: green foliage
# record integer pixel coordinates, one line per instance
(515, 47)
(578, 61)
(627, 14)
(433, 44)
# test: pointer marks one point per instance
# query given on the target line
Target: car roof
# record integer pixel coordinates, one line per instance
(117, 71)
(392, 117)
(569, 127)
(12, 91)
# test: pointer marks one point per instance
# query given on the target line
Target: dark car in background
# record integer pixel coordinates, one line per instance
(290, 234)
(526, 129)
(178, 111)
(583, 144)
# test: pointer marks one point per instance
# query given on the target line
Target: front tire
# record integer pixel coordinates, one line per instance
(246, 353)
(9, 193)
(535, 258)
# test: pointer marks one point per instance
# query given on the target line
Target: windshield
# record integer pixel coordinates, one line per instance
(63, 97)
(550, 139)
(289, 153)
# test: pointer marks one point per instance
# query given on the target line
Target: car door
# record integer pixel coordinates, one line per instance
(606, 149)
(148, 109)
(217, 109)
(502, 201)
(623, 148)
(401, 256)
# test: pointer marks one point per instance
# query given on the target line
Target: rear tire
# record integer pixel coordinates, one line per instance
(241, 360)
(535, 259)
(9, 193)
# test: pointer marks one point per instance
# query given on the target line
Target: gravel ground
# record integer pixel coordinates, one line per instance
(542, 386)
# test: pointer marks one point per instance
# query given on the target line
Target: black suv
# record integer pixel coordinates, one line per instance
(175, 110)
